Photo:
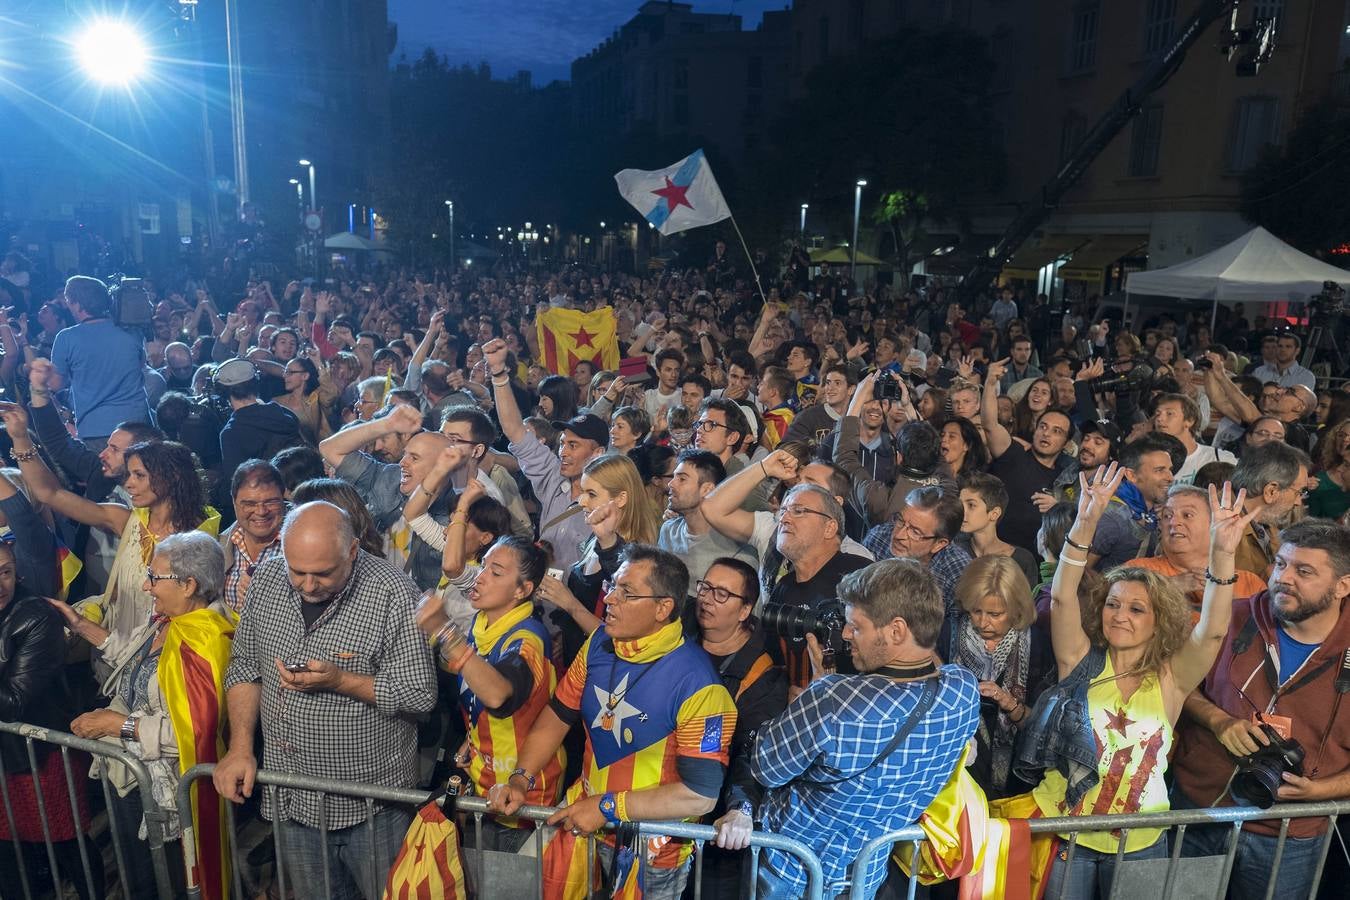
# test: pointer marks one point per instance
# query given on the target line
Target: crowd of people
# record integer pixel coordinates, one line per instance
(819, 550)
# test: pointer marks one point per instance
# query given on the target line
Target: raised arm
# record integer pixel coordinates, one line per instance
(1193, 661)
(508, 413)
(403, 418)
(722, 507)
(434, 328)
(1070, 641)
(1225, 395)
(453, 557)
(872, 495)
(995, 435)
(449, 459)
(46, 489)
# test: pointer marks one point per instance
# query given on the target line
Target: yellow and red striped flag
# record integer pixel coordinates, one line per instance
(568, 336)
(429, 864)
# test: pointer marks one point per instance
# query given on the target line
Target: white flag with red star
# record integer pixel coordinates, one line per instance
(675, 198)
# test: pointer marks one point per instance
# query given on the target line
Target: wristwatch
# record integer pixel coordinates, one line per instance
(128, 732)
(746, 808)
(609, 808)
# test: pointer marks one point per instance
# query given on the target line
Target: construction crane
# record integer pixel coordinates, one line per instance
(1256, 42)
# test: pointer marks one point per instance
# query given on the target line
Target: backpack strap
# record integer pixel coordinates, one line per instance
(761, 665)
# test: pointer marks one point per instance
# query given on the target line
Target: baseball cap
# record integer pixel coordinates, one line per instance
(750, 420)
(587, 427)
(1108, 430)
(234, 372)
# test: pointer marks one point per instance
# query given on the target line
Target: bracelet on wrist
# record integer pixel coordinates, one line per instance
(1224, 582)
(23, 456)
(621, 806)
(521, 773)
(1075, 545)
(1070, 561)
(128, 732)
(454, 666)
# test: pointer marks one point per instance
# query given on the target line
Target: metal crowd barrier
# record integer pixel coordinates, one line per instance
(476, 807)
(90, 856)
(1073, 826)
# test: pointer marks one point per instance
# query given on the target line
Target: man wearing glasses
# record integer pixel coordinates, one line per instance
(255, 537)
(1275, 477)
(810, 535)
(658, 726)
(923, 531)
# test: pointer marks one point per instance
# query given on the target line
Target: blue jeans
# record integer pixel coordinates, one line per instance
(356, 864)
(1252, 866)
(657, 884)
(1090, 874)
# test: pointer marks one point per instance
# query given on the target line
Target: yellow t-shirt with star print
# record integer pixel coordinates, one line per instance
(1134, 738)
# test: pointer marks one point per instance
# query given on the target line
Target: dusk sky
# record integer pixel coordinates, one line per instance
(543, 36)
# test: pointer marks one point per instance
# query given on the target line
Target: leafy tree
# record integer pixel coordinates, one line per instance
(902, 213)
(1295, 192)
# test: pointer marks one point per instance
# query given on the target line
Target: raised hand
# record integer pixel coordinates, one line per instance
(15, 418)
(40, 372)
(781, 465)
(404, 419)
(858, 349)
(996, 370)
(966, 368)
(1095, 496)
(1094, 369)
(1227, 522)
(494, 351)
(604, 521)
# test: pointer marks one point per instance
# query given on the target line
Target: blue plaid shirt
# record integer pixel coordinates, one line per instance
(946, 565)
(833, 733)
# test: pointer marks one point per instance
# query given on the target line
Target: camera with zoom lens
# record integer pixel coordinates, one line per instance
(1260, 774)
(1136, 379)
(794, 623)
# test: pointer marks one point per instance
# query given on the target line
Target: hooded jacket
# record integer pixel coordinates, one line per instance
(256, 431)
(1309, 699)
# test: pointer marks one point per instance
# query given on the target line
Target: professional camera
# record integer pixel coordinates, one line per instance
(795, 622)
(1132, 379)
(1323, 307)
(1260, 775)
(887, 387)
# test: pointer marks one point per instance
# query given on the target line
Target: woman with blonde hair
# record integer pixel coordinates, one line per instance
(1126, 666)
(994, 634)
(620, 512)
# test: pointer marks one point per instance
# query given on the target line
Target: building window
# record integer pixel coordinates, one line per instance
(1145, 141)
(1254, 129)
(1159, 18)
(823, 37)
(1071, 135)
(1083, 37)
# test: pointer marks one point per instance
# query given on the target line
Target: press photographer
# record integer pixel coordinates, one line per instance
(855, 756)
(1269, 717)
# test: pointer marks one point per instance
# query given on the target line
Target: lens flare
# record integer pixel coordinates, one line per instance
(111, 52)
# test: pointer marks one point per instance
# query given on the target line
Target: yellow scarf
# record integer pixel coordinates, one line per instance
(652, 646)
(485, 636)
(210, 525)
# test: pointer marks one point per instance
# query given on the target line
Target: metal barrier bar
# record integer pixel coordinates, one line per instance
(155, 818)
(1075, 825)
(276, 781)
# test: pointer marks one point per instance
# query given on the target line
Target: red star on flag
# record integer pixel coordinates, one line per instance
(582, 338)
(674, 195)
(1118, 721)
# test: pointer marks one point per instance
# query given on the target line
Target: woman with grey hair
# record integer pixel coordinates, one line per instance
(168, 696)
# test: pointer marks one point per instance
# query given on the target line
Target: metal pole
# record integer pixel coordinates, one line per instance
(313, 195)
(802, 230)
(208, 141)
(853, 247)
(450, 206)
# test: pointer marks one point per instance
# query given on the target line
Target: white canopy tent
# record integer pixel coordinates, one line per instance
(1257, 267)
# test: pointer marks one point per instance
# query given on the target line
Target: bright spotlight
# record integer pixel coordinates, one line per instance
(111, 52)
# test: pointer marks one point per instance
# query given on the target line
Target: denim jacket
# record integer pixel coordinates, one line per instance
(1058, 733)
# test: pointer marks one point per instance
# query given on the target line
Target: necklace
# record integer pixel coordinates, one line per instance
(612, 702)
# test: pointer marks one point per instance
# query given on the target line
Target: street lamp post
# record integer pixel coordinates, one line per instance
(857, 210)
(299, 197)
(802, 230)
(450, 210)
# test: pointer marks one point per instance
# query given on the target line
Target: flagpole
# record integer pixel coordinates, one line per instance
(762, 296)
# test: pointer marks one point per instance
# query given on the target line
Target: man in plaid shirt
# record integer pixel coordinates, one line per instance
(328, 653)
(836, 776)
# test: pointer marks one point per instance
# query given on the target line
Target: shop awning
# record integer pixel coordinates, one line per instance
(842, 256)
(1089, 262)
(1033, 256)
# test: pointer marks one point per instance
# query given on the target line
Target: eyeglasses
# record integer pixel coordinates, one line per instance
(796, 512)
(617, 594)
(720, 594)
(456, 441)
(249, 506)
(151, 577)
(707, 425)
(905, 528)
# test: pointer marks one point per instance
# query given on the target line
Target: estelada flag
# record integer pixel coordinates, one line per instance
(568, 336)
(676, 198)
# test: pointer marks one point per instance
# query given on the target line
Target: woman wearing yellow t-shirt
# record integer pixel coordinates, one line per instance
(1152, 661)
